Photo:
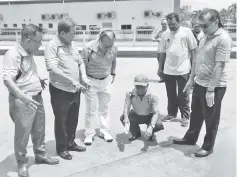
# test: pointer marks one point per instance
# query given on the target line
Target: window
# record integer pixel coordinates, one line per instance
(23, 25)
(15, 25)
(81, 27)
(126, 27)
(40, 25)
(107, 25)
(5, 25)
(50, 25)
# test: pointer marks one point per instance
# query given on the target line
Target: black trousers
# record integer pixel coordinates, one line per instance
(180, 100)
(201, 112)
(66, 110)
(135, 120)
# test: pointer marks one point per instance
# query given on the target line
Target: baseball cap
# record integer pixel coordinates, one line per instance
(141, 79)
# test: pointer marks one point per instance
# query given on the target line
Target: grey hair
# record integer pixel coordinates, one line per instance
(30, 30)
(65, 25)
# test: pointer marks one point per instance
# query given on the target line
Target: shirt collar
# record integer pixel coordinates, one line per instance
(94, 46)
(22, 51)
(218, 32)
(59, 42)
(148, 92)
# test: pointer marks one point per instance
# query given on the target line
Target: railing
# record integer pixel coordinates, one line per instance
(82, 36)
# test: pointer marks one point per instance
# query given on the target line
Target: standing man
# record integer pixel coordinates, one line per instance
(145, 109)
(209, 78)
(100, 59)
(157, 38)
(177, 52)
(25, 101)
(65, 65)
(197, 31)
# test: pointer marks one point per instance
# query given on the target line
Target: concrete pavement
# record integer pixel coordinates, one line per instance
(121, 157)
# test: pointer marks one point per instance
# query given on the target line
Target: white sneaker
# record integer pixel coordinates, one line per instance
(88, 140)
(106, 136)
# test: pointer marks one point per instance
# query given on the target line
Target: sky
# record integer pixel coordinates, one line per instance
(215, 4)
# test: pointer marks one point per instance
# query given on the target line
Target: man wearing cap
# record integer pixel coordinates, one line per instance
(26, 106)
(100, 60)
(145, 109)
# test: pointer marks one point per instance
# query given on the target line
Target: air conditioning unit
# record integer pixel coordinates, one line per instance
(53, 17)
(100, 16)
(147, 14)
(111, 15)
(43, 17)
(158, 14)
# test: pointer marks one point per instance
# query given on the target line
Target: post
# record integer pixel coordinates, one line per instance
(16, 36)
(134, 37)
(84, 37)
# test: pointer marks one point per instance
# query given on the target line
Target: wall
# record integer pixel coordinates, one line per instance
(84, 13)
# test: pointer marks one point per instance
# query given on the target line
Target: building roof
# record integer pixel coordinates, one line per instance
(6, 2)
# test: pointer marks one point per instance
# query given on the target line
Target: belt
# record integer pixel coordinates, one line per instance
(38, 94)
(97, 78)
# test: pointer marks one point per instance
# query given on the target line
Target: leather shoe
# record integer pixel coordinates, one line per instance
(132, 138)
(203, 153)
(76, 148)
(65, 155)
(183, 141)
(23, 171)
(47, 160)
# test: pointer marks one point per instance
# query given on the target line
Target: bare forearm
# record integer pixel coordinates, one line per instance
(13, 88)
(126, 111)
(154, 118)
(193, 64)
(162, 61)
(113, 68)
(83, 71)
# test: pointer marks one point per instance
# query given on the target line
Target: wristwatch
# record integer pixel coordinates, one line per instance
(113, 74)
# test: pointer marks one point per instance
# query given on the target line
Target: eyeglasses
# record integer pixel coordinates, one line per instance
(204, 26)
(39, 42)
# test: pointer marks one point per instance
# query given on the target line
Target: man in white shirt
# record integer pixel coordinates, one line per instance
(177, 50)
(197, 31)
(157, 38)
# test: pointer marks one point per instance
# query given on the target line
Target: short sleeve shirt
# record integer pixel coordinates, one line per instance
(211, 50)
(98, 65)
(177, 46)
(145, 106)
(67, 59)
(20, 66)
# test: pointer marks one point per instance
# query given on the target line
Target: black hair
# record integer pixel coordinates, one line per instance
(30, 30)
(214, 16)
(173, 15)
(65, 25)
(104, 34)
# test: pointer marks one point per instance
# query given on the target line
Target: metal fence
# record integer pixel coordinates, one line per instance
(133, 37)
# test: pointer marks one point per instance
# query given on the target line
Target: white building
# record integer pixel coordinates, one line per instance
(113, 14)
(187, 8)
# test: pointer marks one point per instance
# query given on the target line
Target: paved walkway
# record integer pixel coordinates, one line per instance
(121, 157)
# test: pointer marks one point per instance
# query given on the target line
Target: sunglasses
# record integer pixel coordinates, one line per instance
(204, 26)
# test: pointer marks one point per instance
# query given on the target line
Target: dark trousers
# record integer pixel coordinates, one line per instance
(180, 100)
(136, 120)
(201, 112)
(66, 110)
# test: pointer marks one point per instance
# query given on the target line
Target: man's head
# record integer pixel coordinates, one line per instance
(106, 40)
(164, 24)
(196, 27)
(66, 30)
(141, 84)
(210, 21)
(31, 38)
(173, 20)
